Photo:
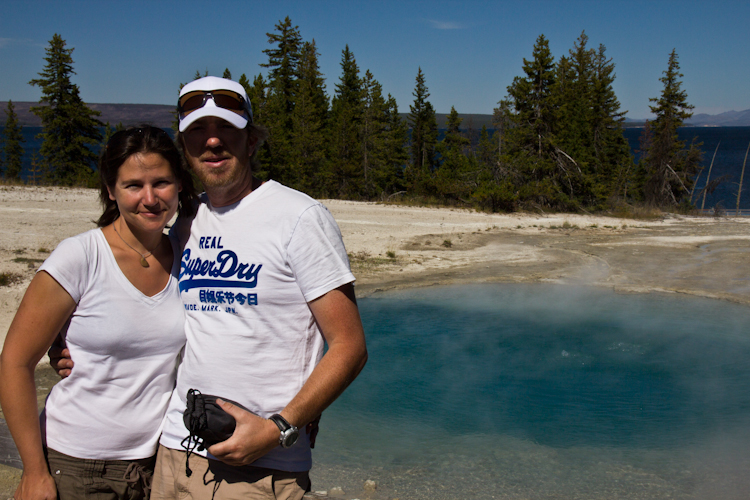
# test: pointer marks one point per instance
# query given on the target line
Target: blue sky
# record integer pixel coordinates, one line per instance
(140, 51)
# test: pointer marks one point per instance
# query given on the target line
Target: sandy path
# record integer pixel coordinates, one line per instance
(700, 256)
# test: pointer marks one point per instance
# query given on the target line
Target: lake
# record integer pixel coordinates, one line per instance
(733, 143)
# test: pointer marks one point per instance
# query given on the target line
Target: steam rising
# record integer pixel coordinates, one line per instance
(553, 390)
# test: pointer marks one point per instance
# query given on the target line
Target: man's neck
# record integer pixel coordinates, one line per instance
(228, 195)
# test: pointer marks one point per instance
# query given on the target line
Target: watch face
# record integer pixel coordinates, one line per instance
(290, 437)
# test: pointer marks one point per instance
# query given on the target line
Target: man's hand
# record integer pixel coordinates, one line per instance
(59, 357)
(253, 437)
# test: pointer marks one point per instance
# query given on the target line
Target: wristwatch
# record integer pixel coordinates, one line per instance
(289, 433)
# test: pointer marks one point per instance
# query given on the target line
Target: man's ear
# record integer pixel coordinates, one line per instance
(251, 142)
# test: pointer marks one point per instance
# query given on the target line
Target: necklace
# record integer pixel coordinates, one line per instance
(144, 262)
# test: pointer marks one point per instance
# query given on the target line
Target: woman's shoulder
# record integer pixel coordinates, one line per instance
(87, 239)
(79, 247)
(71, 262)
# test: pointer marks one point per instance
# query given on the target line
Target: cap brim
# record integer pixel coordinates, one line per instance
(209, 109)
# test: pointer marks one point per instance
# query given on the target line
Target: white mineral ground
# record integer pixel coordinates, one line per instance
(393, 246)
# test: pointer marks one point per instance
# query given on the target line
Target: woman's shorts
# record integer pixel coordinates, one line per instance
(79, 479)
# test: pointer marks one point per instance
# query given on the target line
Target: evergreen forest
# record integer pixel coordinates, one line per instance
(556, 144)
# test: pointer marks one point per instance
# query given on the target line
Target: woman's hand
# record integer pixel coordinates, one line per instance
(33, 487)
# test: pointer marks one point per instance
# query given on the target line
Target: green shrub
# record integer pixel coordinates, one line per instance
(7, 279)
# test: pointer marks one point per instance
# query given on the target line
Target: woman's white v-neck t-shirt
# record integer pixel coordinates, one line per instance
(125, 346)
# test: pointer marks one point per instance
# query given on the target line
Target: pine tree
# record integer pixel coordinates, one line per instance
(529, 98)
(283, 60)
(255, 100)
(486, 151)
(423, 139)
(11, 145)
(561, 135)
(227, 74)
(283, 77)
(451, 176)
(109, 131)
(454, 138)
(589, 145)
(528, 141)
(568, 128)
(309, 121)
(36, 171)
(572, 149)
(503, 121)
(69, 127)
(613, 161)
(391, 178)
(258, 95)
(494, 188)
(669, 165)
(374, 138)
(246, 85)
(579, 117)
(346, 176)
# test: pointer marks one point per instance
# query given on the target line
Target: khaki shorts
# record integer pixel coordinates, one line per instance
(215, 480)
(79, 479)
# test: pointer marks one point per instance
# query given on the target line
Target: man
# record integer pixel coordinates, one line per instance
(265, 282)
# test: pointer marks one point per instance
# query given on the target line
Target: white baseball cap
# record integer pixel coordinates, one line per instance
(232, 105)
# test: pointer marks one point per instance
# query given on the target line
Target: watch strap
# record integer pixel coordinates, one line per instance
(289, 433)
(280, 422)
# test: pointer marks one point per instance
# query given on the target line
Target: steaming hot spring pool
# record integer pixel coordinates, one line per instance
(544, 391)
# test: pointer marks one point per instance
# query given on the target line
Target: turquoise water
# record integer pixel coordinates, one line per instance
(544, 391)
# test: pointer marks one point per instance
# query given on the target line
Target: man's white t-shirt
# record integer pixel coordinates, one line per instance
(125, 346)
(248, 271)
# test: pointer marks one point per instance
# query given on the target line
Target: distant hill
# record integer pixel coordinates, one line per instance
(728, 119)
(630, 123)
(470, 121)
(162, 115)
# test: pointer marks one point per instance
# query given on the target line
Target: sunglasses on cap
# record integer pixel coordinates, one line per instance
(226, 99)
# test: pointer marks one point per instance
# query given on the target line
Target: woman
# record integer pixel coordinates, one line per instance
(113, 293)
